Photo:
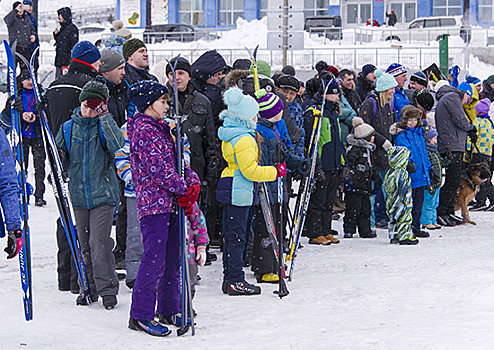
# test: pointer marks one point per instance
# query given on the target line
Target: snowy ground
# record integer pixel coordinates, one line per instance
(359, 294)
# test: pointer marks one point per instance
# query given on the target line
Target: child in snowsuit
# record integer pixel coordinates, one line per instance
(431, 198)
(483, 152)
(153, 163)
(237, 187)
(409, 133)
(88, 143)
(358, 185)
(273, 151)
(398, 188)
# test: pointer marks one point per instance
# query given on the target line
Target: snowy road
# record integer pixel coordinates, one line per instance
(359, 294)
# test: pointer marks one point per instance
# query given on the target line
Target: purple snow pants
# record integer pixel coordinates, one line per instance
(160, 266)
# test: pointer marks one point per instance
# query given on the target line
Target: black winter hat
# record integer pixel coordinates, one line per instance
(241, 64)
(312, 85)
(425, 99)
(131, 46)
(368, 68)
(94, 89)
(320, 66)
(182, 64)
(288, 82)
(288, 70)
(207, 65)
(332, 85)
(24, 75)
(144, 93)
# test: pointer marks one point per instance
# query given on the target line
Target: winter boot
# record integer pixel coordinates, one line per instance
(149, 326)
(130, 284)
(393, 238)
(268, 278)
(444, 220)
(224, 287)
(39, 202)
(478, 207)
(243, 288)
(408, 239)
(371, 234)
(109, 301)
(321, 240)
(420, 233)
(348, 235)
(174, 320)
(437, 226)
(332, 239)
(81, 300)
(381, 224)
(429, 226)
(459, 220)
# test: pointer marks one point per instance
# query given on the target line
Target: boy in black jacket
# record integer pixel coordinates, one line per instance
(358, 182)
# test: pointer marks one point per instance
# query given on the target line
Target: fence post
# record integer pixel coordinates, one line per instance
(420, 59)
(312, 63)
(377, 57)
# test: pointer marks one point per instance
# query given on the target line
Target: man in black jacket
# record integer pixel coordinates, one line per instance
(65, 39)
(62, 97)
(365, 81)
(113, 69)
(199, 125)
(21, 30)
(347, 78)
(136, 57)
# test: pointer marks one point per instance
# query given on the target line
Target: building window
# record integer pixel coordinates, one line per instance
(230, 10)
(264, 8)
(191, 12)
(447, 8)
(315, 8)
(358, 13)
(485, 11)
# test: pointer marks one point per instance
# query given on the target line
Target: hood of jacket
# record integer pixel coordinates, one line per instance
(66, 14)
(353, 141)
(79, 119)
(447, 89)
(234, 126)
(398, 157)
(207, 65)
(234, 77)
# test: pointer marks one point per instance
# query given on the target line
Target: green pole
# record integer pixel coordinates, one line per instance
(444, 54)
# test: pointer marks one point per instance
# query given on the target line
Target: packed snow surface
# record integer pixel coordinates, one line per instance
(359, 294)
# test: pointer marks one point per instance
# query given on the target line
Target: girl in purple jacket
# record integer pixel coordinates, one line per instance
(153, 163)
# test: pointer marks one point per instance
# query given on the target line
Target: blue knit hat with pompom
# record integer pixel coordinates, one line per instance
(144, 93)
(240, 107)
(384, 81)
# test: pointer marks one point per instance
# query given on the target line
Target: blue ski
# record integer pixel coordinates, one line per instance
(16, 142)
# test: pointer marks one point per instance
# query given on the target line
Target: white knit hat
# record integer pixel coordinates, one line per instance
(361, 129)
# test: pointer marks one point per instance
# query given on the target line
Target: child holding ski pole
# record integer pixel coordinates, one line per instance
(272, 151)
(237, 187)
(153, 163)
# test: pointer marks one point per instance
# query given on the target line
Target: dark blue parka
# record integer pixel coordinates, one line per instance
(271, 146)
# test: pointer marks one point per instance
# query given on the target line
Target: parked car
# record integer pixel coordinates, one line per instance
(96, 34)
(425, 29)
(330, 26)
(175, 32)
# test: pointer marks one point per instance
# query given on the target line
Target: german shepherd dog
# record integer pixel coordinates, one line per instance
(471, 178)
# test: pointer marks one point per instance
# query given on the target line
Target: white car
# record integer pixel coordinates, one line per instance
(425, 29)
(96, 34)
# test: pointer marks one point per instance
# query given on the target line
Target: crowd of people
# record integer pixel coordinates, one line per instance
(382, 154)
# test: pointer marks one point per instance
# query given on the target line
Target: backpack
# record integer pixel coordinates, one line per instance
(67, 136)
(374, 110)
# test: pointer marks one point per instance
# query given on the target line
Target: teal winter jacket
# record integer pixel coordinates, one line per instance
(92, 183)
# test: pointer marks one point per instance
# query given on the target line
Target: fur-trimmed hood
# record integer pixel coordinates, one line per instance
(235, 76)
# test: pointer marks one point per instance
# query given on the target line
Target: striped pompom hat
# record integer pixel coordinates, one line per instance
(269, 104)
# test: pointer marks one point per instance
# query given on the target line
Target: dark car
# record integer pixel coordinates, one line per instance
(324, 25)
(175, 32)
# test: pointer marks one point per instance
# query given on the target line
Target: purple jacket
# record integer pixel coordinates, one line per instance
(153, 163)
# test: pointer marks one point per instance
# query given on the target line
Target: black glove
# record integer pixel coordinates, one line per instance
(473, 135)
(14, 243)
(411, 167)
(449, 155)
(296, 176)
(17, 106)
(434, 177)
(431, 189)
(344, 172)
(319, 174)
(9, 102)
(304, 167)
(43, 105)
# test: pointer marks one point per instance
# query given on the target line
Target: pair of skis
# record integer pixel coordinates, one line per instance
(305, 191)
(186, 308)
(276, 240)
(16, 143)
(60, 186)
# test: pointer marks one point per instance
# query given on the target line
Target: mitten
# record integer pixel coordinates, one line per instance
(188, 199)
(201, 255)
(304, 167)
(281, 170)
(473, 135)
(411, 167)
(14, 243)
(17, 106)
(99, 106)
